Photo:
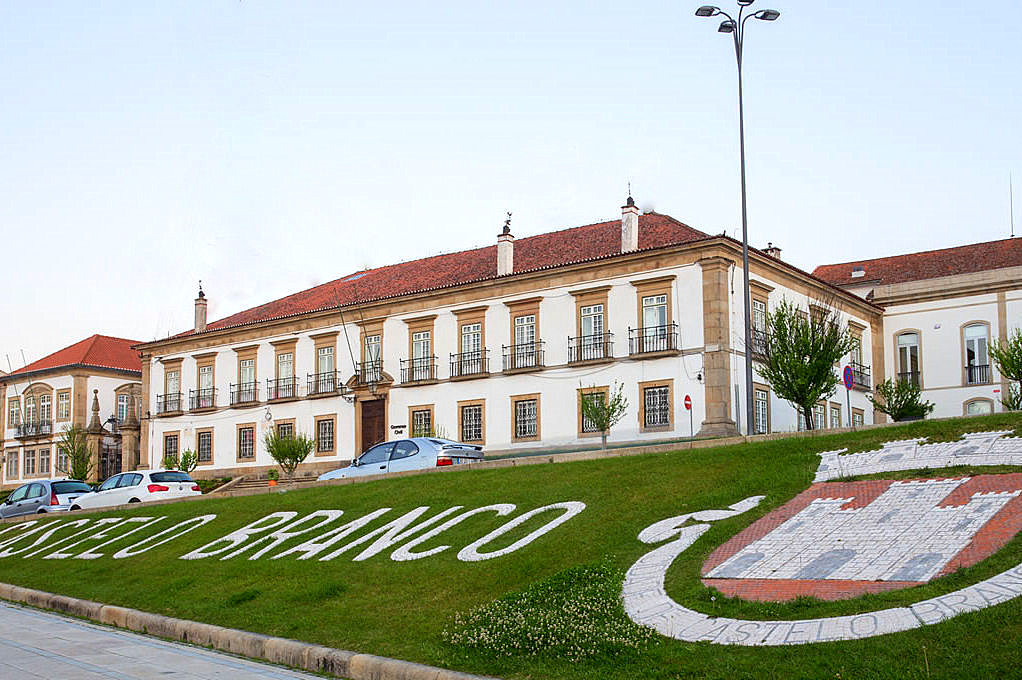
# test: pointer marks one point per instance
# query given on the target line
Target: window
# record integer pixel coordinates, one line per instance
(422, 351)
(30, 410)
(378, 454)
(657, 404)
(819, 417)
(471, 423)
(857, 418)
(44, 461)
(285, 365)
(855, 354)
(422, 422)
(246, 442)
(801, 419)
(45, 408)
(404, 449)
(592, 321)
(285, 386)
(908, 357)
(762, 411)
(977, 361)
(373, 348)
(111, 483)
(29, 463)
(246, 371)
(12, 464)
(524, 353)
(206, 377)
(14, 412)
(172, 381)
(204, 444)
(63, 405)
(170, 445)
(759, 315)
(123, 407)
(20, 493)
(325, 360)
(325, 435)
(62, 461)
(286, 430)
(835, 416)
(525, 413)
(587, 425)
(978, 407)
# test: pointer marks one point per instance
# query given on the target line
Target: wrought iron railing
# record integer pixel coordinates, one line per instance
(760, 340)
(861, 375)
(168, 403)
(909, 377)
(244, 393)
(281, 388)
(653, 339)
(476, 362)
(977, 374)
(200, 399)
(525, 355)
(418, 369)
(37, 428)
(590, 347)
(369, 372)
(327, 382)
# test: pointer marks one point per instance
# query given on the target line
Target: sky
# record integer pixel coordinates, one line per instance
(265, 147)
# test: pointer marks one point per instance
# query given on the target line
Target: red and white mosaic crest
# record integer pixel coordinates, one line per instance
(840, 540)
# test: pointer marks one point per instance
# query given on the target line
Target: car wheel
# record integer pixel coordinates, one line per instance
(73, 508)
(40, 512)
(134, 500)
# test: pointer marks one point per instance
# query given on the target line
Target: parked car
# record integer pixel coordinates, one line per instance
(139, 487)
(45, 495)
(416, 453)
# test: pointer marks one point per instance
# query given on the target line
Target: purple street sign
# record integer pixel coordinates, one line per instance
(849, 377)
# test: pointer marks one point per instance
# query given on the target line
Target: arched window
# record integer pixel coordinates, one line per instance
(977, 407)
(977, 360)
(908, 357)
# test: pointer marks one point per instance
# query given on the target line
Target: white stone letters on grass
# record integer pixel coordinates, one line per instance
(176, 531)
(470, 553)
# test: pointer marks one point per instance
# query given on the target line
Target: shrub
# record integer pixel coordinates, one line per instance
(288, 452)
(900, 399)
(603, 412)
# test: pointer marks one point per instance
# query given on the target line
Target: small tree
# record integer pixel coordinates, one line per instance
(74, 447)
(603, 412)
(288, 452)
(799, 354)
(900, 399)
(170, 461)
(1007, 357)
(1012, 399)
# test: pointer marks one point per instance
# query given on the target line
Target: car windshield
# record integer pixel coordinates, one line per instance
(170, 477)
(71, 487)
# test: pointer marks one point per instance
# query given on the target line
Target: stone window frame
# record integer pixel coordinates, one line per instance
(66, 392)
(763, 387)
(26, 456)
(237, 442)
(421, 324)
(411, 420)
(664, 382)
(516, 310)
(534, 396)
(48, 450)
(471, 315)
(973, 400)
(587, 297)
(243, 354)
(368, 329)
(831, 405)
(481, 403)
(579, 393)
(12, 458)
(760, 292)
(821, 424)
(961, 337)
(856, 330)
(919, 347)
(659, 285)
(212, 446)
(206, 359)
(163, 443)
(35, 392)
(286, 421)
(332, 417)
(858, 412)
(15, 403)
(170, 366)
(319, 341)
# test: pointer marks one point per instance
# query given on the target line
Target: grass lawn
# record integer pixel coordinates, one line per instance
(401, 609)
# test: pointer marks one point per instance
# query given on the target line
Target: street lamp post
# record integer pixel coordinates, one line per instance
(736, 27)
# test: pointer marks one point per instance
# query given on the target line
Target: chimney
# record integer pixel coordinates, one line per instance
(773, 251)
(506, 249)
(629, 226)
(200, 311)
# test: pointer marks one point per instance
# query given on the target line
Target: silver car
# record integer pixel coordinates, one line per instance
(417, 453)
(45, 495)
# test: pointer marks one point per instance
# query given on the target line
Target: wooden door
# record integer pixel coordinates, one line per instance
(373, 425)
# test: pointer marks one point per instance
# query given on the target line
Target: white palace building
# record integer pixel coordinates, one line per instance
(495, 346)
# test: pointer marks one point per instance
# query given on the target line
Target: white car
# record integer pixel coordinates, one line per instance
(417, 453)
(138, 487)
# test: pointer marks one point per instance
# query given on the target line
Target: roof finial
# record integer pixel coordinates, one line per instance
(507, 224)
(631, 201)
(201, 294)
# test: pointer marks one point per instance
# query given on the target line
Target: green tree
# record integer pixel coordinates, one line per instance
(900, 399)
(603, 411)
(288, 452)
(799, 354)
(1007, 356)
(74, 447)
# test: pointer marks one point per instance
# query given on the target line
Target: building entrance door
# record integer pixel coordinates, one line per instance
(373, 425)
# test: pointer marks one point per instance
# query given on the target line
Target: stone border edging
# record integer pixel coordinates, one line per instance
(291, 653)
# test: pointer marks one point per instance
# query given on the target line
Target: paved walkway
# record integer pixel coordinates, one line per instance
(36, 645)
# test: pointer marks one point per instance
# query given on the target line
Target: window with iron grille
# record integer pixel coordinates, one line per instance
(170, 445)
(525, 419)
(29, 462)
(205, 446)
(472, 423)
(324, 436)
(762, 412)
(422, 423)
(12, 464)
(286, 430)
(246, 442)
(588, 426)
(44, 461)
(657, 405)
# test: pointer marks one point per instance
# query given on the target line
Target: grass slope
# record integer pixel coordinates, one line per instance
(401, 609)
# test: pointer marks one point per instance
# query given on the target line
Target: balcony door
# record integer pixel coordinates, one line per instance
(325, 370)
(592, 331)
(977, 361)
(471, 348)
(908, 357)
(422, 352)
(654, 323)
(525, 341)
(285, 375)
(373, 367)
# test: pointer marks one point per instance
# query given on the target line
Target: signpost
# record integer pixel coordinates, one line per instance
(688, 407)
(849, 378)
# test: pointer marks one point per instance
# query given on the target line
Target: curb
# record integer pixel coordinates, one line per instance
(291, 653)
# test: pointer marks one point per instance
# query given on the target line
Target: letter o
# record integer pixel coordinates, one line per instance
(470, 553)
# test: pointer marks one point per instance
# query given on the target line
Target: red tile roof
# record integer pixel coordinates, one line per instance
(544, 251)
(99, 351)
(976, 257)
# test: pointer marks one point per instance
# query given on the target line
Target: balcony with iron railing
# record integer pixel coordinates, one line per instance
(35, 428)
(977, 374)
(418, 369)
(168, 403)
(281, 389)
(653, 339)
(323, 384)
(861, 377)
(200, 400)
(244, 393)
(760, 341)
(470, 364)
(598, 347)
(369, 372)
(909, 377)
(528, 356)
